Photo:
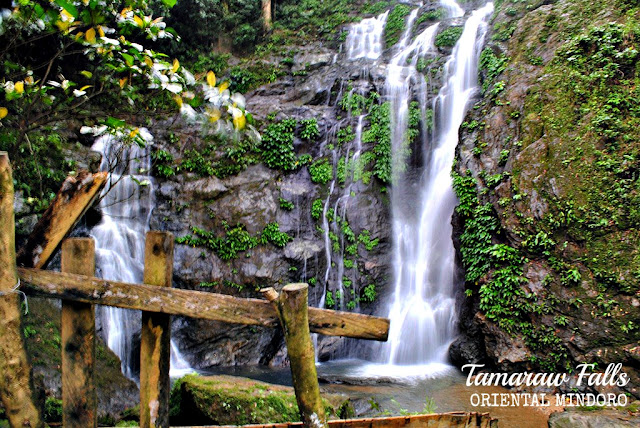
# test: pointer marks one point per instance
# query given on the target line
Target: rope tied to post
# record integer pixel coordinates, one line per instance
(16, 290)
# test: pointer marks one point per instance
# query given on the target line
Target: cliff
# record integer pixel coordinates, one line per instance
(547, 176)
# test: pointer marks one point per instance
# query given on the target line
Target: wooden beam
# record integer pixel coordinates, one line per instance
(292, 307)
(196, 304)
(78, 336)
(16, 382)
(433, 420)
(155, 336)
(74, 198)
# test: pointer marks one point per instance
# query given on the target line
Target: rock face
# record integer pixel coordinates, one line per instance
(354, 232)
(534, 170)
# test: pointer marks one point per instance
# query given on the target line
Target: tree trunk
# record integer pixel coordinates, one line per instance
(266, 14)
(16, 383)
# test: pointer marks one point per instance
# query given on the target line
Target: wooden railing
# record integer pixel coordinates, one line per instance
(80, 290)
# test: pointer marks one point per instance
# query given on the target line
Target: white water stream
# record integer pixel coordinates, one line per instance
(120, 242)
(423, 304)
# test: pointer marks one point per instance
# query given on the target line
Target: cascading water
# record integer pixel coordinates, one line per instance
(120, 242)
(423, 309)
(423, 303)
(365, 38)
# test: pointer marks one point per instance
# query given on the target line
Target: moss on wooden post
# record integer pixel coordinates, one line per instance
(155, 346)
(16, 384)
(292, 308)
(78, 334)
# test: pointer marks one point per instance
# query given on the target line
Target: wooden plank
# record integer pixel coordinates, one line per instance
(78, 335)
(292, 306)
(74, 198)
(16, 382)
(196, 304)
(434, 420)
(155, 343)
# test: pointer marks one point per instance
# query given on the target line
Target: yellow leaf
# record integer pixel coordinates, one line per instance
(19, 88)
(85, 87)
(178, 100)
(214, 115)
(100, 31)
(90, 35)
(123, 82)
(211, 79)
(87, 74)
(139, 22)
(134, 132)
(148, 61)
(176, 66)
(239, 122)
(3, 112)
(223, 86)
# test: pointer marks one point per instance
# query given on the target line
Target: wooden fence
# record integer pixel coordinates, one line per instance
(80, 290)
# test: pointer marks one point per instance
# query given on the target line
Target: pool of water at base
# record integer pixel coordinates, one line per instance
(385, 390)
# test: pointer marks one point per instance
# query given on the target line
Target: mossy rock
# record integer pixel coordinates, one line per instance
(230, 400)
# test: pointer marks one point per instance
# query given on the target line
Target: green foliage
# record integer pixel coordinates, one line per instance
(286, 204)
(395, 24)
(318, 19)
(277, 145)
(52, 410)
(38, 163)
(163, 164)
(379, 132)
(272, 234)
(235, 21)
(491, 66)
(310, 129)
(316, 209)
(234, 240)
(328, 300)
(448, 37)
(216, 62)
(250, 76)
(227, 246)
(321, 171)
(432, 15)
(497, 270)
(369, 293)
(366, 240)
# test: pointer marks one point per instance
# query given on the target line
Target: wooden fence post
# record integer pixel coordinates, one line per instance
(292, 308)
(16, 382)
(155, 346)
(78, 334)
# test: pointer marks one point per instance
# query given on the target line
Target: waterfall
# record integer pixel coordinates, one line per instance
(423, 308)
(365, 38)
(120, 241)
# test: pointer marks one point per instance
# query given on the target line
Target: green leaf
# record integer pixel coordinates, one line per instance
(169, 3)
(112, 122)
(69, 7)
(128, 59)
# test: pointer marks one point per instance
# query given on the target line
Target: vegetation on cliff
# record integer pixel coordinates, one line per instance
(548, 179)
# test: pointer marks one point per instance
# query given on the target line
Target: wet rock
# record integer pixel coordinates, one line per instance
(206, 188)
(593, 419)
